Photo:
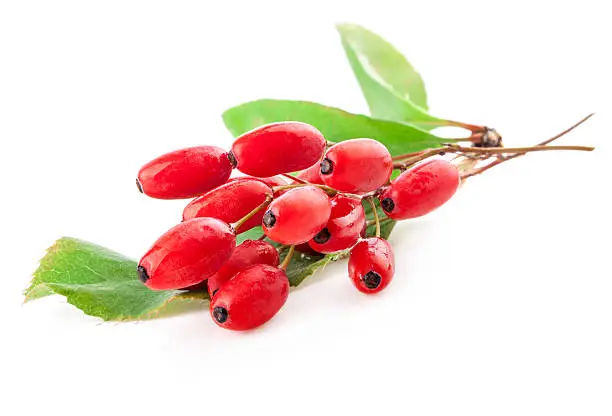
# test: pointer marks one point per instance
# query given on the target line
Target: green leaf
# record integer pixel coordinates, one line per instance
(98, 281)
(335, 124)
(393, 89)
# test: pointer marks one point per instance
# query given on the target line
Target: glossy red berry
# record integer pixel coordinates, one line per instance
(185, 173)
(249, 253)
(357, 166)
(187, 254)
(371, 265)
(297, 216)
(420, 190)
(251, 298)
(311, 175)
(230, 202)
(271, 181)
(278, 148)
(343, 229)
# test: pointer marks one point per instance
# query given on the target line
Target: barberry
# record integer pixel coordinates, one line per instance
(356, 166)
(185, 173)
(251, 298)
(278, 148)
(187, 254)
(420, 190)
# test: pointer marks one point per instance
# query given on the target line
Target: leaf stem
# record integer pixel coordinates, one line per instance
(287, 259)
(375, 212)
(248, 216)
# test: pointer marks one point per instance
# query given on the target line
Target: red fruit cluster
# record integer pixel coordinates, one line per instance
(321, 210)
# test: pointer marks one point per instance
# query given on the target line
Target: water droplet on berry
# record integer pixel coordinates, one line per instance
(142, 274)
(269, 219)
(387, 204)
(322, 237)
(220, 314)
(327, 166)
(371, 279)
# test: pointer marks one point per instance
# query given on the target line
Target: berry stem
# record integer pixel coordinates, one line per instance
(376, 219)
(520, 150)
(287, 259)
(293, 178)
(330, 191)
(499, 160)
(244, 219)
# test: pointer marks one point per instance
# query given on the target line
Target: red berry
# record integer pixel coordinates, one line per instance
(297, 216)
(230, 202)
(343, 229)
(251, 298)
(278, 148)
(185, 173)
(247, 254)
(311, 175)
(420, 190)
(371, 265)
(187, 254)
(358, 166)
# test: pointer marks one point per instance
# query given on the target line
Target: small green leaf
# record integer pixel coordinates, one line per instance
(96, 280)
(335, 124)
(393, 89)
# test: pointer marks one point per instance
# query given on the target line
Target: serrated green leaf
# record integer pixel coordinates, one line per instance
(393, 89)
(303, 265)
(96, 280)
(335, 124)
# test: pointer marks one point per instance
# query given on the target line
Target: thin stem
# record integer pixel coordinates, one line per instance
(287, 260)
(421, 156)
(248, 216)
(499, 161)
(521, 150)
(293, 178)
(330, 191)
(373, 222)
(376, 219)
(263, 237)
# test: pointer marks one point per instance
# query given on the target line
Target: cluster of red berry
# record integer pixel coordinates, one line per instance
(320, 209)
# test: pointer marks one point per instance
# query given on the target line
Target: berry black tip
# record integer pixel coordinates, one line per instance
(139, 186)
(220, 314)
(387, 204)
(269, 219)
(142, 274)
(322, 237)
(327, 166)
(232, 159)
(371, 279)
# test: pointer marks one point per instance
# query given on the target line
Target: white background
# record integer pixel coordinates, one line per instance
(502, 301)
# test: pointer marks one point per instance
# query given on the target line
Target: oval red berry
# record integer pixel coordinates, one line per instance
(251, 298)
(249, 253)
(356, 166)
(420, 190)
(187, 254)
(185, 173)
(278, 148)
(371, 265)
(297, 216)
(343, 229)
(230, 202)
